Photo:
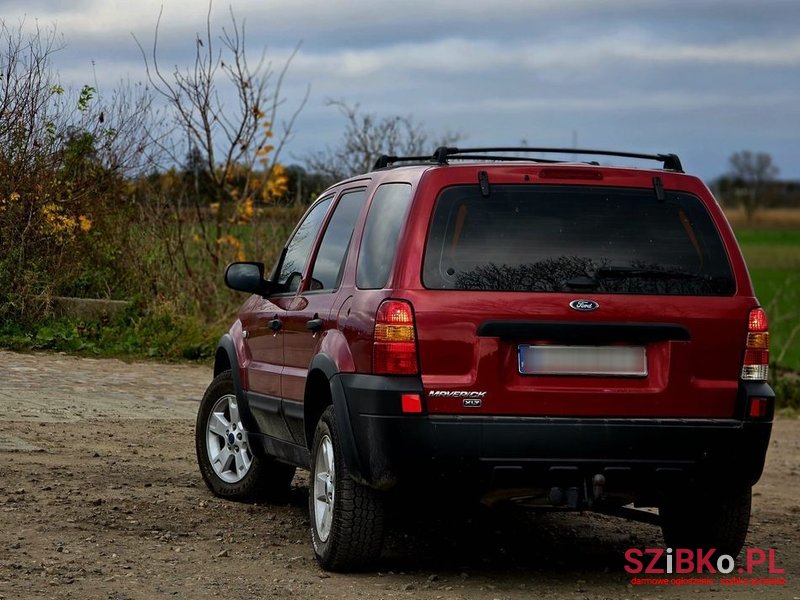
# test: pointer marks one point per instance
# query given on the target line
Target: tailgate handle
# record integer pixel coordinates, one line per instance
(582, 333)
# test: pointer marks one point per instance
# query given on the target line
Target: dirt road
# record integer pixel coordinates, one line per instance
(100, 498)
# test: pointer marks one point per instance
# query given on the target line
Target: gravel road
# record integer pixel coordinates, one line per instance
(100, 497)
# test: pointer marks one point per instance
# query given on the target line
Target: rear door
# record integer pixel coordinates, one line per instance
(567, 300)
(264, 321)
(309, 314)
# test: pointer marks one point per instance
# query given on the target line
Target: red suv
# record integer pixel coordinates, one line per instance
(559, 333)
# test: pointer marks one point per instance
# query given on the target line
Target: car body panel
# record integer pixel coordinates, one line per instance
(470, 382)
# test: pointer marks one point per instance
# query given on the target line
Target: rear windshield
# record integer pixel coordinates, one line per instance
(574, 238)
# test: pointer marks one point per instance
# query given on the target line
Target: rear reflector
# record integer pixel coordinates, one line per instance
(755, 366)
(394, 348)
(759, 408)
(411, 403)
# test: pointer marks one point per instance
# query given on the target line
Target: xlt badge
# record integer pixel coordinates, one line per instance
(469, 399)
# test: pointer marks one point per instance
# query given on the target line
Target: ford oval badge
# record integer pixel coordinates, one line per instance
(584, 305)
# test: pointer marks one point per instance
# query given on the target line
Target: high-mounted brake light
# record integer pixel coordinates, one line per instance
(567, 173)
(395, 340)
(755, 366)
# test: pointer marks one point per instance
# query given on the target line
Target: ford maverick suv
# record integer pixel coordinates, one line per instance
(556, 333)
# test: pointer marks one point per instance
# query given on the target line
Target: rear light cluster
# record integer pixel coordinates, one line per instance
(756, 354)
(395, 341)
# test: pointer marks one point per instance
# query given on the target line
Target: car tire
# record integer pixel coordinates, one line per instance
(711, 522)
(347, 518)
(228, 463)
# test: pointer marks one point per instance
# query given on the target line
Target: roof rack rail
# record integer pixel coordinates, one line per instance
(671, 162)
(384, 160)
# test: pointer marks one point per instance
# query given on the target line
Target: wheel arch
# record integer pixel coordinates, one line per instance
(324, 388)
(222, 361)
(226, 358)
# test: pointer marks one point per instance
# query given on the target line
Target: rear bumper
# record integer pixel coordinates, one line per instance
(636, 456)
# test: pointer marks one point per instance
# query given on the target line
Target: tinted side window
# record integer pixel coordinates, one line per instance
(329, 265)
(299, 247)
(385, 219)
(566, 239)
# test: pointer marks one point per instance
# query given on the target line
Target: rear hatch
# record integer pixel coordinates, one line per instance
(577, 300)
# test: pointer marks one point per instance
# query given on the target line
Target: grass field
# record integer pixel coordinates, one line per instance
(770, 218)
(773, 257)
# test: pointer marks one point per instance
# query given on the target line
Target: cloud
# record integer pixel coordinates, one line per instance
(461, 56)
(687, 72)
(638, 101)
(747, 52)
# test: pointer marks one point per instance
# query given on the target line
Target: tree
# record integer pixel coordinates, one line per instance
(230, 145)
(64, 156)
(367, 136)
(304, 186)
(754, 171)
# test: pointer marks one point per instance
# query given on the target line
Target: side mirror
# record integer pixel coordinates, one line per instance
(294, 281)
(247, 277)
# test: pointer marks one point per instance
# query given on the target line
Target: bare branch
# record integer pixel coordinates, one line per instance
(367, 136)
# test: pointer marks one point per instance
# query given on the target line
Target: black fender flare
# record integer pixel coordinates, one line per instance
(227, 345)
(341, 410)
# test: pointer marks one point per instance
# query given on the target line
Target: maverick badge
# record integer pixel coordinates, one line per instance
(469, 399)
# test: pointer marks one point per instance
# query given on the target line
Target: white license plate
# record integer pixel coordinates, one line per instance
(615, 361)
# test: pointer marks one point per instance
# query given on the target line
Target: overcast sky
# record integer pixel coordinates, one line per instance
(700, 78)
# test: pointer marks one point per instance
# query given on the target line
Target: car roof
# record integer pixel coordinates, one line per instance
(455, 160)
(494, 154)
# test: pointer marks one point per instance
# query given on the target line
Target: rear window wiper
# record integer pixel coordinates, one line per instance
(647, 273)
(582, 282)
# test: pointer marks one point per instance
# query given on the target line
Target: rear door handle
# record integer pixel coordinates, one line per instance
(275, 324)
(315, 324)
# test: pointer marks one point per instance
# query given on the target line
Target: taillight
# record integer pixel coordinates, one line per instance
(756, 353)
(395, 341)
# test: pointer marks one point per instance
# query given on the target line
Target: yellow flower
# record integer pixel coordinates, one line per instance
(234, 243)
(14, 196)
(277, 184)
(61, 227)
(85, 223)
(265, 149)
(246, 211)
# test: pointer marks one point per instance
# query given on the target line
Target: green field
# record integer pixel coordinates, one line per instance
(773, 257)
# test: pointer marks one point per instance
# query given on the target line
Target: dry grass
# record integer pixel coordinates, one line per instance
(768, 218)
